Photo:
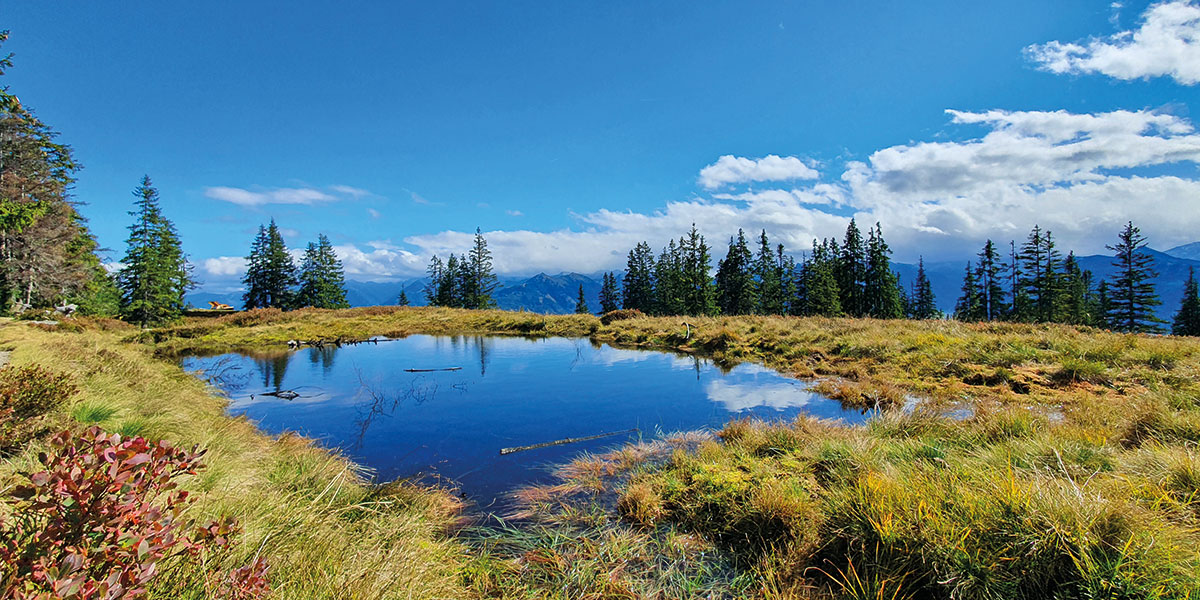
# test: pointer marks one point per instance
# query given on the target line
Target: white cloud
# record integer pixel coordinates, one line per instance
(224, 266)
(305, 196)
(731, 169)
(383, 261)
(374, 213)
(514, 213)
(1166, 44)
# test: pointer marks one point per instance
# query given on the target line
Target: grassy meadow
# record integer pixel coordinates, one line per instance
(1004, 461)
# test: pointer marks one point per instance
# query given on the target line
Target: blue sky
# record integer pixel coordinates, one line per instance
(569, 131)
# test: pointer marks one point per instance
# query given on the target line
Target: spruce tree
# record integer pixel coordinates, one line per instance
(968, 307)
(637, 291)
(989, 276)
(669, 281)
(1075, 295)
(481, 280)
(1132, 293)
(436, 271)
(581, 307)
(699, 293)
(881, 286)
(922, 303)
(270, 272)
(1104, 308)
(768, 278)
(609, 295)
(1187, 320)
(851, 272)
(402, 299)
(735, 282)
(1040, 278)
(322, 283)
(452, 287)
(819, 281)
(156, 275)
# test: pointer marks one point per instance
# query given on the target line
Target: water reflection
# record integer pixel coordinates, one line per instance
(524, 391)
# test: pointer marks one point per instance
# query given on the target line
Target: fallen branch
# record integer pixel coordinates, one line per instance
(504, 451)
(432, 370)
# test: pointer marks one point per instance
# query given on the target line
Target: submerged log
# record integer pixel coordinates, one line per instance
(285, 394)
(432, 370)
(504, 451)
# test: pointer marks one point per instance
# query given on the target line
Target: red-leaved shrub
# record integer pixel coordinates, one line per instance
(101, 519)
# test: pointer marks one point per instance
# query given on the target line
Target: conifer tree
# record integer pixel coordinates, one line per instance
(851, 272)
(968, 307)
(735, 283)
(819, 282)
(47, 254)
(1132, 294)
(481, 280)
(768, 278)
(1040, 277)
(270, 272)
(922, 303)
(881, 286)
(669, 281)
(1104, 307)
(699, 293)
(581, 307)
(609, 295)
(1187, 320)
(155, 276)
(989, 277)
(436, 271)
(322, 283)
(402, 299)
(1075, 294)
(451, 289)
(637, 292)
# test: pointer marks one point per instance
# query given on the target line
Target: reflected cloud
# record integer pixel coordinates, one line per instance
(737, 397)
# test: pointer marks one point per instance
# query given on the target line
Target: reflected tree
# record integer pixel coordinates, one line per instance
(272, 368)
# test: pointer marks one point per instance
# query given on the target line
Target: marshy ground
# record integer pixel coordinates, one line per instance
(1042, 461)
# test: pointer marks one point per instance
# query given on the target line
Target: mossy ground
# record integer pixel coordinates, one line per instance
(1074, 475)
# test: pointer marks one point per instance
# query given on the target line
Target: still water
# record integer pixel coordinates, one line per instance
(506, 392)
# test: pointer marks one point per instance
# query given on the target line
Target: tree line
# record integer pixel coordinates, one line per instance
(853, 277)
(1036, 284)
(273, 280)
(465, 281)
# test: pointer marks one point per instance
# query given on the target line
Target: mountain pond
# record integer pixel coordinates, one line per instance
(393, 408)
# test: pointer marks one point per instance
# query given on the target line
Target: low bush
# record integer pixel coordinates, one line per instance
(621, 315)
(103, 517)
(27, 395)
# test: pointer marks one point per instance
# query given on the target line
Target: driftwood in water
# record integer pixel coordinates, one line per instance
(285, 394)
(432, 370)
(504, 451)
(337, 342)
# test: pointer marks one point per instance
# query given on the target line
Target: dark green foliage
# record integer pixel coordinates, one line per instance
(1076, 303)
(816, 286)
(968, 307)
(1132, 294)
(852, 272)
(322, 284)
(156, 274)
(1103, 306)
(881, 286)
(270, 272)
(1187, 320)
(610, 297)
(581, 307)
(736, 293)
(699, 292)
(478, 279)
(637, 292)
(402, 300)
(47, 254)
(768, 278)
(922, 304)
(465, 281)
(989, 276)
(668, 281)
(1039, 276)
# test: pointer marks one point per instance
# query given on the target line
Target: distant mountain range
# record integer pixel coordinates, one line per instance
(556, 294)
